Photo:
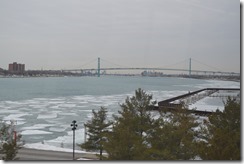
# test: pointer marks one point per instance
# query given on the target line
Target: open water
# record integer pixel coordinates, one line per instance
(43, 108)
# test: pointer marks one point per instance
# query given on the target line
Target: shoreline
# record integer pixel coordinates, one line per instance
(221, 78)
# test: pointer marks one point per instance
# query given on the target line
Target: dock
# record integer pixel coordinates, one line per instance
(191, 98)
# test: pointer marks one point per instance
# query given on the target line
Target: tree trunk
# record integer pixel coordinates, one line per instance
(101, 153)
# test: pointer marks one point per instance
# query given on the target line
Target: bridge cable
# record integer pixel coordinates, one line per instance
(89, 62)
(206, 65)
(112, 63)
(166, 66)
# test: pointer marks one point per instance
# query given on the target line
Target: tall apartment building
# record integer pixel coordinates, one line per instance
(15, 67)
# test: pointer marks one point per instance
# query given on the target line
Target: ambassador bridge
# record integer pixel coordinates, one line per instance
(170, 68)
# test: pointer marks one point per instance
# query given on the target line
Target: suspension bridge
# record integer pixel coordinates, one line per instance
(189, 71)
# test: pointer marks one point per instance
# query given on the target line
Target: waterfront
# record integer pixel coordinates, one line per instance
(43, 108)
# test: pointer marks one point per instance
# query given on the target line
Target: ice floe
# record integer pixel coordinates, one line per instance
(47, 115)
(37, 126)
(57, 129)
(34, 132)
(16, 116)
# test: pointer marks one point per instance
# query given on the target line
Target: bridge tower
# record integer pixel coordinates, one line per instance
(98, 67)
(190, 68)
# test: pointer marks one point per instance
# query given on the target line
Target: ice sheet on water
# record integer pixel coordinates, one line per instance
(55, 107)
(19, 122)
(109, 103)
(88, 109)
(32, 101)
(90, 115)
(53, 121)
(16, 116)
(68, 114)
(57, 99)
(226, 93)
(96, 101)
(81, 106)
(56, 102)
(37, 106)
(25, 109)
(182, 85)
(218, 84)
(37, 126)
(4, 111)
(38, 137)
(98, 105)
(40, 99)
(57, 129)
(68, 139)
(34, 132)
(203, 105)
(99, 100)
(84, 99)
(47, 115)
(67, 105)
(14, 102)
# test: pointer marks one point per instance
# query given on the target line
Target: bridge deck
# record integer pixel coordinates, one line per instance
(162, 69)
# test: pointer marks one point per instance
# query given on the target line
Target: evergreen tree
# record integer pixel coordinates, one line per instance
(10, 149)
(173, 136)
(8, 146)
(221, 139)
(97, 128)
(127, 141)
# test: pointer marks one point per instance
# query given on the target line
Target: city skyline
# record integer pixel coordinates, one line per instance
(67, 34)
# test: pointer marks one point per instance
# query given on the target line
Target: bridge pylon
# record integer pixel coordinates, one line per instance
(190, 68)
(98, 67)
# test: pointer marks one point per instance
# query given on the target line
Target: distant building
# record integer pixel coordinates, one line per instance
(10, 67)
(1, 71)
(16, 67)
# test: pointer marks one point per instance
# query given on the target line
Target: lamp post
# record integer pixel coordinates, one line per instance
(73, 125)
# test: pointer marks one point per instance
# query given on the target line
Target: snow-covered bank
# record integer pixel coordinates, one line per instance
(40, 146)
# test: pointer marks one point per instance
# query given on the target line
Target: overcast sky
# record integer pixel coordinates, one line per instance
(65, 34)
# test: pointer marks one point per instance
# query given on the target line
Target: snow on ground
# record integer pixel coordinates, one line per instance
(84, 159)
(41, 146)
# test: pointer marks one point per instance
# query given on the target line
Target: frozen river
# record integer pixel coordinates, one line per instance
(43, 108)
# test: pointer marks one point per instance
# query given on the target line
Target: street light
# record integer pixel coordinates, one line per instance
(74, 125)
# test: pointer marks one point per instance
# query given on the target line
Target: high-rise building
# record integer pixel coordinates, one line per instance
(11, 67)
(23, 67)
(15, 67)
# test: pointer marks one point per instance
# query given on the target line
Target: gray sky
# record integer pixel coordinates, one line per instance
(65, 34)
